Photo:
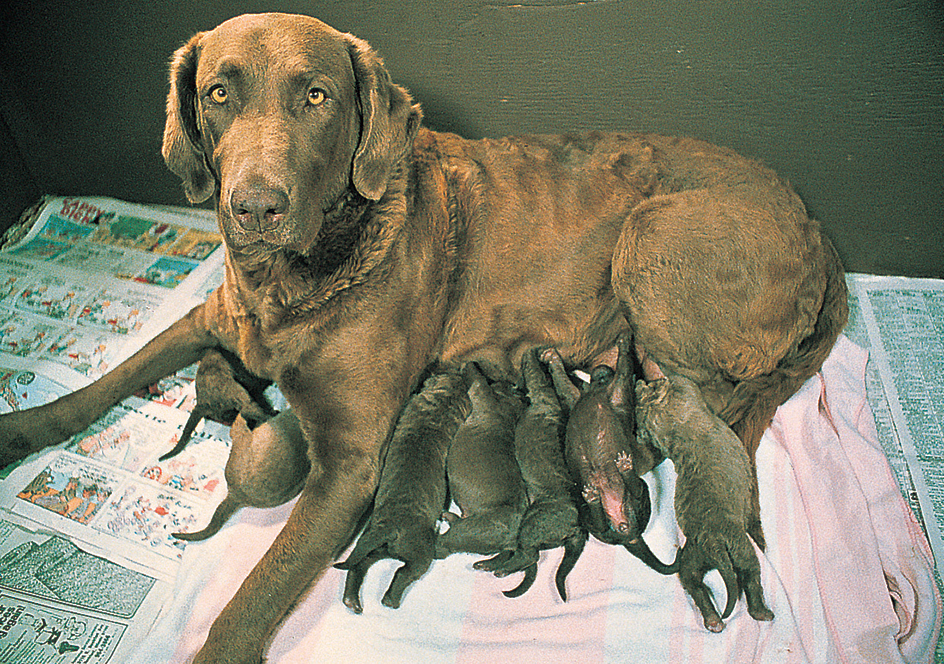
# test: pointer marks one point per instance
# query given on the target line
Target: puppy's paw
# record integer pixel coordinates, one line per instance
(730, 552)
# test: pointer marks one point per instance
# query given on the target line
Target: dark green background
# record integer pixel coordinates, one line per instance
(846, 99)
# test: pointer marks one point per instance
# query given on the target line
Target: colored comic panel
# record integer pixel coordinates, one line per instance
(196, 244)
(125, 439)
(70, 488)
(88, 353)
(42, 249)
(23, 336)
(167, 272)
(58, 229)
(170, 390)
(197, 470)
(49, 296)
(104, 259)
(149, 516)
(117, 311)
(12, 277)
(123, 232)
(160, 237)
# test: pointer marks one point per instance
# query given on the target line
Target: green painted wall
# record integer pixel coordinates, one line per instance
(846, 99)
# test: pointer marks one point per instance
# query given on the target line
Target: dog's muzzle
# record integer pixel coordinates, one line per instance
(258, 208)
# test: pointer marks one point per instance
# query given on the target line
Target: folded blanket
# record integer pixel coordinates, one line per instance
(847, 572)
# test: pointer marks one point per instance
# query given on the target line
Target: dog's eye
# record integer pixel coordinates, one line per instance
(218, 94)
(316, 96)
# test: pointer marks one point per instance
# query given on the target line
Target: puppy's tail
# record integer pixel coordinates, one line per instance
(223, 512)
(755, 401)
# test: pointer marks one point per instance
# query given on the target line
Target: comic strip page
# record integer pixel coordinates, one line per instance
(93, 278)
(87, 546)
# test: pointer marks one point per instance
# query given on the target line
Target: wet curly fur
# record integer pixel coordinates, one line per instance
(484, 478)
(412, 490)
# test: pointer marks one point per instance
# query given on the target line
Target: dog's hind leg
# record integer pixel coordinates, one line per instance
(573, 547)
(736, 289)
(266, 467)
(355, 579)
(530, 574)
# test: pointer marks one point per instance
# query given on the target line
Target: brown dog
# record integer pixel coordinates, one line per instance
(600, 448)
(551, 518)
(266, 467)
(224, 390)
(362, 248)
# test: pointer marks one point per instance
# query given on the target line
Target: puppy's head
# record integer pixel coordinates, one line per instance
(280, 116)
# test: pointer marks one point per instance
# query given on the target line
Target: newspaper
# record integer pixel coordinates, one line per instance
(61, 604)
(87, 553)
(900, 321)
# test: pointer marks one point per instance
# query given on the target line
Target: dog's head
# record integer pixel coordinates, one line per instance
(280, 116)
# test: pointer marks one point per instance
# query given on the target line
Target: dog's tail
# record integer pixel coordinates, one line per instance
(755, 401)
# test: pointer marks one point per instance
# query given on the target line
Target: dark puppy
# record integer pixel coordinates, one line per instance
(484, 478)
(551, 519)
(225, 389)
(599, 446)
(713, 469)
(266, 467)
(363, 249)
(412, 490)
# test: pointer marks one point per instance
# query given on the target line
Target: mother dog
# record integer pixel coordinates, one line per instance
(364, 250)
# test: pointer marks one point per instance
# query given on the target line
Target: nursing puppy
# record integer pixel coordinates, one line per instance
(676, 420)
(266, 467)
(363, 249)
(224, 389)
(551, 519)
(600, 447)
(412, 490)
(483, 474)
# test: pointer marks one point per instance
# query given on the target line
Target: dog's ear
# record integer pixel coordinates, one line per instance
(389, 121)
(182, 149)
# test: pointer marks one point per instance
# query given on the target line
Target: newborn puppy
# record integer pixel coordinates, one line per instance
(712, 494)
(483, 474)
(224, 389)
(266, 467)
(411, 494)
(551, 519)
(599, 445)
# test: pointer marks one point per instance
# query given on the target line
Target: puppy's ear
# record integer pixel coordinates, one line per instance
(651, 393)
(389, 121)
(661, 388)
(182, 149)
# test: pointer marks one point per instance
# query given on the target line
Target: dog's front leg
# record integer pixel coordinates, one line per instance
(326, 513)
(26, 431)
(345, 438)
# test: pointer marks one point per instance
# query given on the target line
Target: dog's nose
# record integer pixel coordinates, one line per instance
(259, 207)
